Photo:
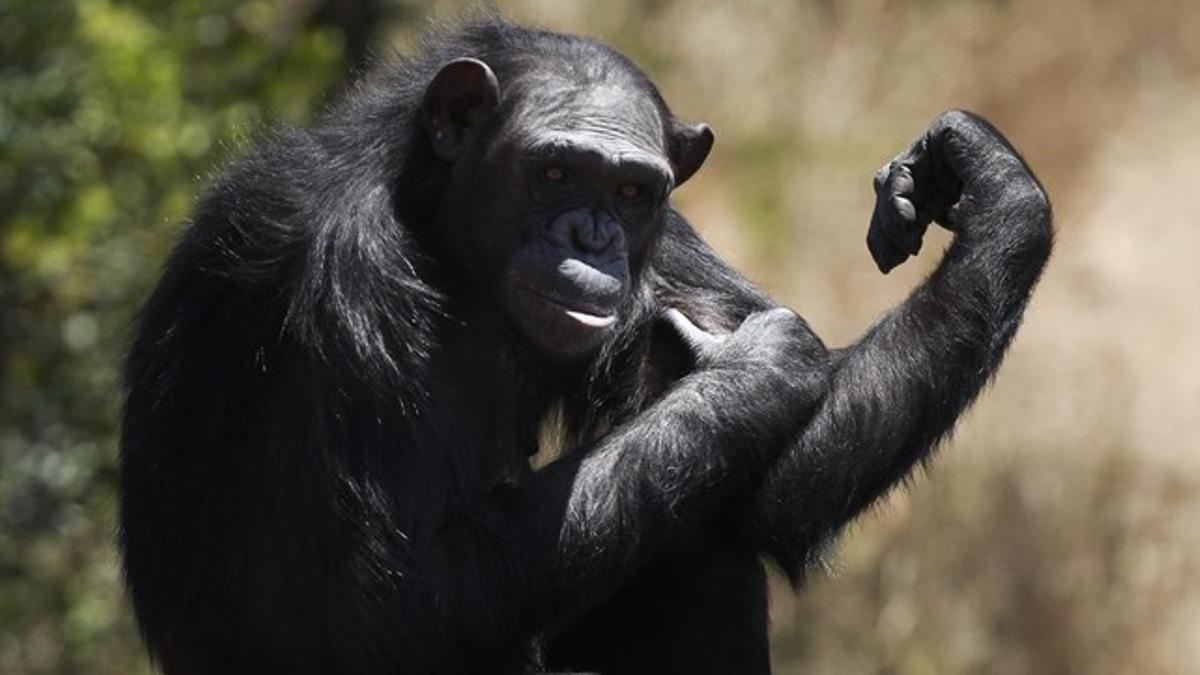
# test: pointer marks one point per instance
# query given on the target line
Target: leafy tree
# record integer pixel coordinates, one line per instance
(111, 113)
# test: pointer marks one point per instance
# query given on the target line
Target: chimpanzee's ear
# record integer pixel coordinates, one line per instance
(690, 144)
(461, 96)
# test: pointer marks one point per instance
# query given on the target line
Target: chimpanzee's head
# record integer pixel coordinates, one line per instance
(560, 169)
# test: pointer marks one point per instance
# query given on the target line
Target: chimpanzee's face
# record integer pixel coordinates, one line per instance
(593, 185)
(568, 189)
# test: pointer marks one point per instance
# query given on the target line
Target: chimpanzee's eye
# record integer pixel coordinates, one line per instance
(553, 174)
(630, 191)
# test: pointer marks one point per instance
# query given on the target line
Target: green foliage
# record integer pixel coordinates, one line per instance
(108, 113)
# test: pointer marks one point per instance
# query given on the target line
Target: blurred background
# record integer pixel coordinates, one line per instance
(1059, 531)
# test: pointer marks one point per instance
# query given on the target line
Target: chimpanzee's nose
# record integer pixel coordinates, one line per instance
(595, 231)
(587, 231)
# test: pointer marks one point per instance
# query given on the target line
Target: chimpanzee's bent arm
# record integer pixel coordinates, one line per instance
(901, 387)
(599, 514)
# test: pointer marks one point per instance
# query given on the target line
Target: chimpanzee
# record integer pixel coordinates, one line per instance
(337, 383)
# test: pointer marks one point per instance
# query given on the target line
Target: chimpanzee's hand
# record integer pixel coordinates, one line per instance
(960, 162)
(776, 338)
(767, 377)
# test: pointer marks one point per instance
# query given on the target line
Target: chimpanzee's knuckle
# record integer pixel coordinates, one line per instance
(765, 321)
(881, 176)
(904, 210)
(781, 314)
(955, 120)
(1037, 201)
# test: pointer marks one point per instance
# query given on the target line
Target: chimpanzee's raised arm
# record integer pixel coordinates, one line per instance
(897, 391)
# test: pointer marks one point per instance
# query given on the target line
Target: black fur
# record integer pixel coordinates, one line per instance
(892, 397)
(324, 446)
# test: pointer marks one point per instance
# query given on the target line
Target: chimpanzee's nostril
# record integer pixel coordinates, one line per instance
(590, 235)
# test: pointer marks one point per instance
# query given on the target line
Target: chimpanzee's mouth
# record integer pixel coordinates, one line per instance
(588, 314)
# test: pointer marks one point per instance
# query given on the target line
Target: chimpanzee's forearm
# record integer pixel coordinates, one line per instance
(600, 514)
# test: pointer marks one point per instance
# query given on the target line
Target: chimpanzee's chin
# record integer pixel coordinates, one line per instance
(557, 329)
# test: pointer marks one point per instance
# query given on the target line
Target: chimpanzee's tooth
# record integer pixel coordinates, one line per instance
(591, 319)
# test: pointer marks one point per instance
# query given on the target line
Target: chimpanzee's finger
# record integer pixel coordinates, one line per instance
(696, 339)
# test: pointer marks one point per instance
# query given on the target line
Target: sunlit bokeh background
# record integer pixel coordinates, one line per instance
(1059, 532)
